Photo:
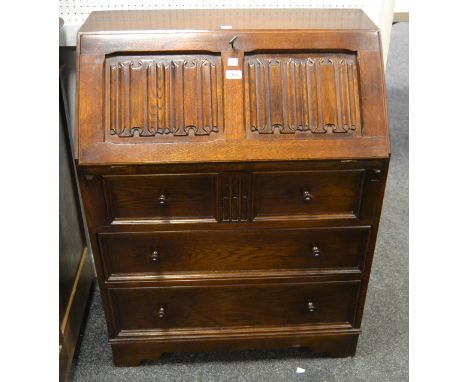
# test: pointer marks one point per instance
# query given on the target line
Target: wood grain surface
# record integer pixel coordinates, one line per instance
(239, 209)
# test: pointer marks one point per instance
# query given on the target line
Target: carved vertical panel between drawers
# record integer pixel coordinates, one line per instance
(315, 94)
(162, 97)
(235, 197)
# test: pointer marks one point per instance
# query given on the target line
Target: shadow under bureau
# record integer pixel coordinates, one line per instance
(232, 165)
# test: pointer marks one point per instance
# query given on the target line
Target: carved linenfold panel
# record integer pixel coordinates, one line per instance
(305, 93)
(160, 96)
(235, 196)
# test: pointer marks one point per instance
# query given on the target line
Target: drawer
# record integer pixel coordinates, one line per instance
(161, 197)
(308, 194)
(185, 252)
(153, 308)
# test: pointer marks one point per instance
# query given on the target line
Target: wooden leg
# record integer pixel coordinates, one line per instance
(129, 359)
(135, 352)
(339, 348)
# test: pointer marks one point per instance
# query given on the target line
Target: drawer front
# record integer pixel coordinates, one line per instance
(161, 197)
(234, 306)
(309, 194)
(185, 252)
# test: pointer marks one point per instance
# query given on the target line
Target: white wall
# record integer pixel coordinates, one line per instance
(74, 12)
(401, 6)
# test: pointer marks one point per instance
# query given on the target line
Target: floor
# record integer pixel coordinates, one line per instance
(382, 353)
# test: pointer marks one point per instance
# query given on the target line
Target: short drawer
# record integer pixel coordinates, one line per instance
(308, 194)
(186, 252)
(153, 308)
(161, 197)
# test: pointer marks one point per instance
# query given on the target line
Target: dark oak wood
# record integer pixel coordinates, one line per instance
(163, 254)
(232, 178)
(335, 344)
(163, 309)
(161, 197)
(239, 19)
(322, 194)
(139, 89)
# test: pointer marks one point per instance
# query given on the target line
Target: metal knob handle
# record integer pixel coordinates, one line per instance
(231, 42)
(376, 175)
(316, 251)
(154, 256)
(310, 306)
(161, 312)
(306, 196)
(162, 200)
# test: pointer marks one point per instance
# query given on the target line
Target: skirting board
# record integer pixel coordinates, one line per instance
(400, 17)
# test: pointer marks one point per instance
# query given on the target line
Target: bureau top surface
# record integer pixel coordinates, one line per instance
(216, 19)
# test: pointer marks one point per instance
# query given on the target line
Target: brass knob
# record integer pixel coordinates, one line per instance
(306, 196)
(154, 256)
(316, 250)
(162, 200)
(310, 306)
(161, 312)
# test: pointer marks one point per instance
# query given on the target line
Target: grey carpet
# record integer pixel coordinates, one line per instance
(382, 353)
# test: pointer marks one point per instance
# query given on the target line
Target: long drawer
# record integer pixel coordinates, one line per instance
(185, 252)
(153, 308)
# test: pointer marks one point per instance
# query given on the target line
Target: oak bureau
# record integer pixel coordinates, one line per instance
(232, 165)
